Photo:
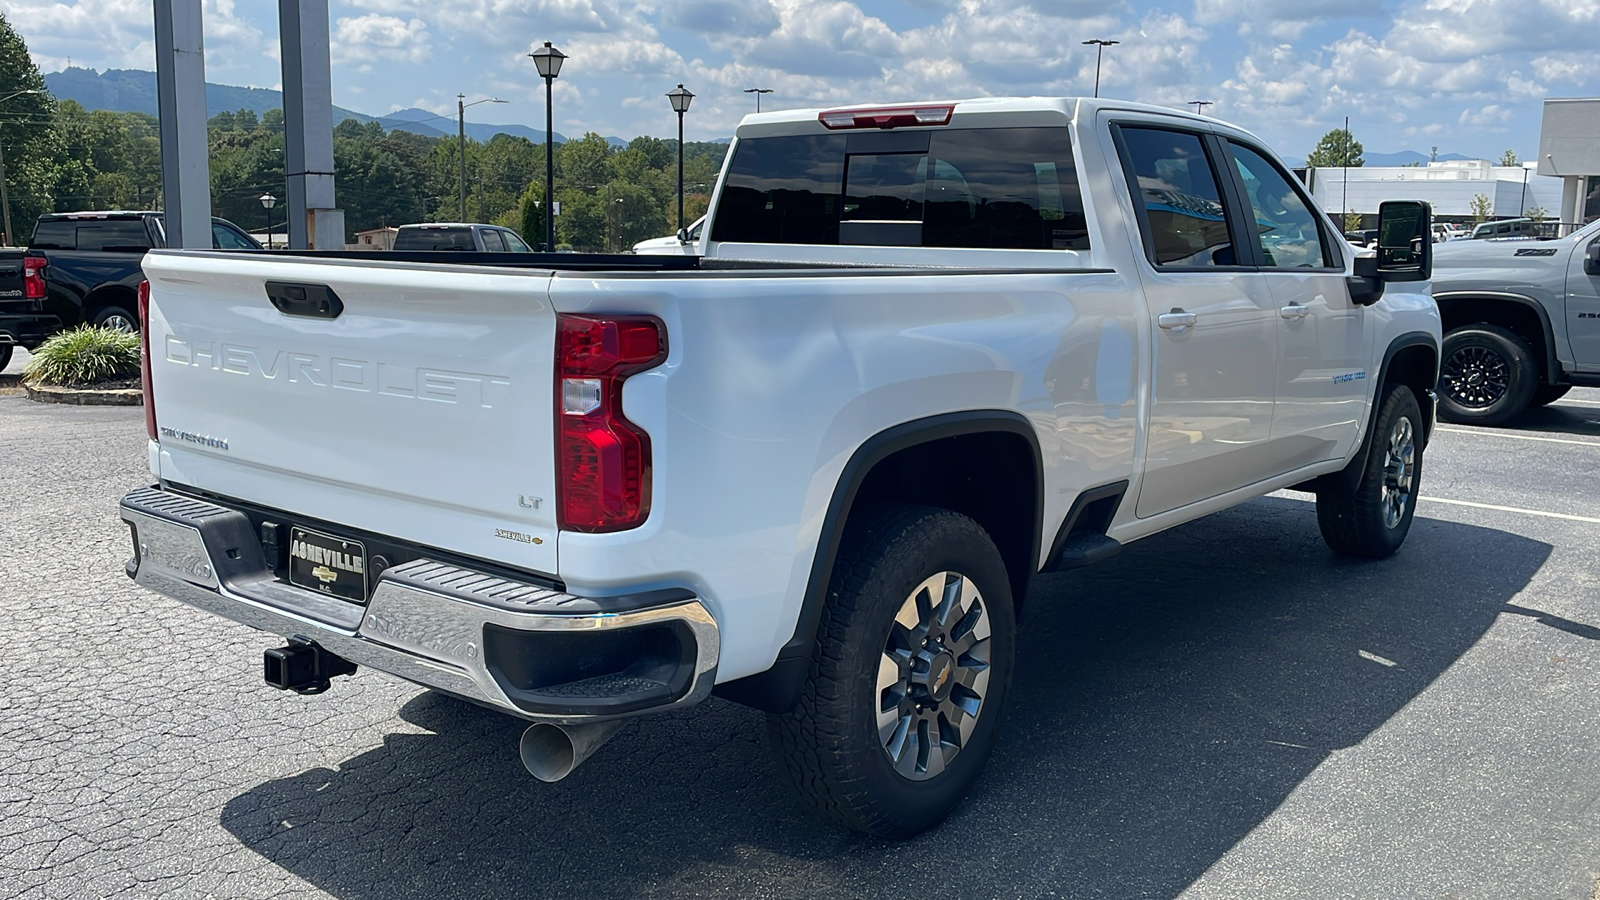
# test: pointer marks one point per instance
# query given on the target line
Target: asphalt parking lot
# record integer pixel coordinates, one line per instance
(1226, 710)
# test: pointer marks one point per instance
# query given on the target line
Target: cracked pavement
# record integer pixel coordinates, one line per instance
(1225, 710)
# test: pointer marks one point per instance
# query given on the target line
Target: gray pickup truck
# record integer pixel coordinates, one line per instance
(1521, 322)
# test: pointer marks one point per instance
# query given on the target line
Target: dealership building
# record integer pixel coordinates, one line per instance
(1563, 184)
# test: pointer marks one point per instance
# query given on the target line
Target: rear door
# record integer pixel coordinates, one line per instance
(1214, 344)
(421, 410)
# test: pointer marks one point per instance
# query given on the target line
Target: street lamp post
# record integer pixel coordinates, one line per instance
(758, 92)
(267, 203)
(1199, 105)
(5, 196)
(680, 99)
(547, 60)
(1100, 48)
(461, 140)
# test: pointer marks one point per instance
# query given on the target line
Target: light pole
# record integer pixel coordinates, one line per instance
(758, 92)
(1199, 105)
(680, 99)
(1100, 48)
(5, 196)
(461, 140)
(547, 60)
(267, 203)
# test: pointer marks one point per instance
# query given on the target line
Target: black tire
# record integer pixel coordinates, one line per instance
(831, 743)
(1366, 510)
(1550, 393)
(5, 356)
(1487, 375)
(118, 318)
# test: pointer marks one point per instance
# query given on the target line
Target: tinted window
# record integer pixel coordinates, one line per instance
(515, 244)
(225, 238)
(119, 235)
(983, 188)
(783, 190)
(1286, 230)
(434, 239)
(492, 241)
(55, 236)
(1177, 188)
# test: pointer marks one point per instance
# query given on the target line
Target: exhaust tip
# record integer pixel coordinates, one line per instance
(550, 752)
(547, 752)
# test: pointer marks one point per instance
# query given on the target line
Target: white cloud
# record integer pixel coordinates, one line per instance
(374, 37)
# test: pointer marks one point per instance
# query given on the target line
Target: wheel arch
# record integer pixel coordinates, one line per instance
(101, 298)
(1522, 314)
(901, 464)
(1412, 359)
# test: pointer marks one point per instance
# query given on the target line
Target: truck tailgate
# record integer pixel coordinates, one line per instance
(422, 411)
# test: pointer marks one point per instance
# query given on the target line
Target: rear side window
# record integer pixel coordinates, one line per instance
(434, 239)
(997, 188)
(1185, 222)
(55, 236)
(492, 241)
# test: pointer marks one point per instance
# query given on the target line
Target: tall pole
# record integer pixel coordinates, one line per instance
(1100, 44)
(5, 197)
(461, 145)
(549, 167)
(1344, 177)
(680, 166)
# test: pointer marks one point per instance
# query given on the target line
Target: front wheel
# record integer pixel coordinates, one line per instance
(1487, 376)
(912, 664)
(1366, 510)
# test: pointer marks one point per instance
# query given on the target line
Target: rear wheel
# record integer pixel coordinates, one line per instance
(1366, 510)
(912, 664)
(5, 356)
(117, 319)
(1550, 393)
(1487, 376)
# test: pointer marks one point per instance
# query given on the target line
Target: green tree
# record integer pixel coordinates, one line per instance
(1481, 207)
(1509, 158)
(530, 219)
(1537, 213)
(28, 138)
(1336, 148)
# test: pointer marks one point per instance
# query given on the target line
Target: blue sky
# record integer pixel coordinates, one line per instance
(1464, 75)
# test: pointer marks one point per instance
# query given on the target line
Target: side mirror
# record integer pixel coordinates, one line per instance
(1404, 248)
(683, 236)
(1591, 261)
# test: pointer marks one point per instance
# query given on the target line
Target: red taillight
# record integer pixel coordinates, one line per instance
(144, 361)
(33, 277)
(886, 117)
(603, 460)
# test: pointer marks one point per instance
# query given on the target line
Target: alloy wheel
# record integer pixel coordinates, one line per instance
(1475, 377)
(933, 675)
(1399, 472)
(119, 323)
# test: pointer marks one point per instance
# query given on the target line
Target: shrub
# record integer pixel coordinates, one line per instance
(84, 356)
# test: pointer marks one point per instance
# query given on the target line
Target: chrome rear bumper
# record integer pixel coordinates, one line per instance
(476, 635)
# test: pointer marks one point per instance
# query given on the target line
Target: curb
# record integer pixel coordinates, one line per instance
(85, 396)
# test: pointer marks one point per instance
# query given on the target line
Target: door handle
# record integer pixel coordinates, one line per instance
(1177, 320)
(1294, 311)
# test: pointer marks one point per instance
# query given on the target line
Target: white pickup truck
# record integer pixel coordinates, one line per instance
(926, 352)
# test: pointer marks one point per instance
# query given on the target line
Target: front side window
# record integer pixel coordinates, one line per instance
(225, 238)
(993, 188)
(1285, 229)
(514, 243)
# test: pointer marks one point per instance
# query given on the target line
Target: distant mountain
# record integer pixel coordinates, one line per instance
(134, 90)
(1405, 157)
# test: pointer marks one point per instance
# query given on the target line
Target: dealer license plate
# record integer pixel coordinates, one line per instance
(327, 564)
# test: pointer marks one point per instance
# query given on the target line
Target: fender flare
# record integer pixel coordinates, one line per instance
(778, 688)
(1552, 364)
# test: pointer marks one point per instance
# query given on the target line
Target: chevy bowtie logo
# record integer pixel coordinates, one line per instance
(325, 574)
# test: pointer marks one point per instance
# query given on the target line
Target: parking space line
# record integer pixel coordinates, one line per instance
(1576, 403)
(1513, 509)
(1519, 437)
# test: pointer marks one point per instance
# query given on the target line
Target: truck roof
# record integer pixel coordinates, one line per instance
(97, 214)
(972, 112)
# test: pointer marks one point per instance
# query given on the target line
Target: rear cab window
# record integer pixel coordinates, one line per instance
(979, 188)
